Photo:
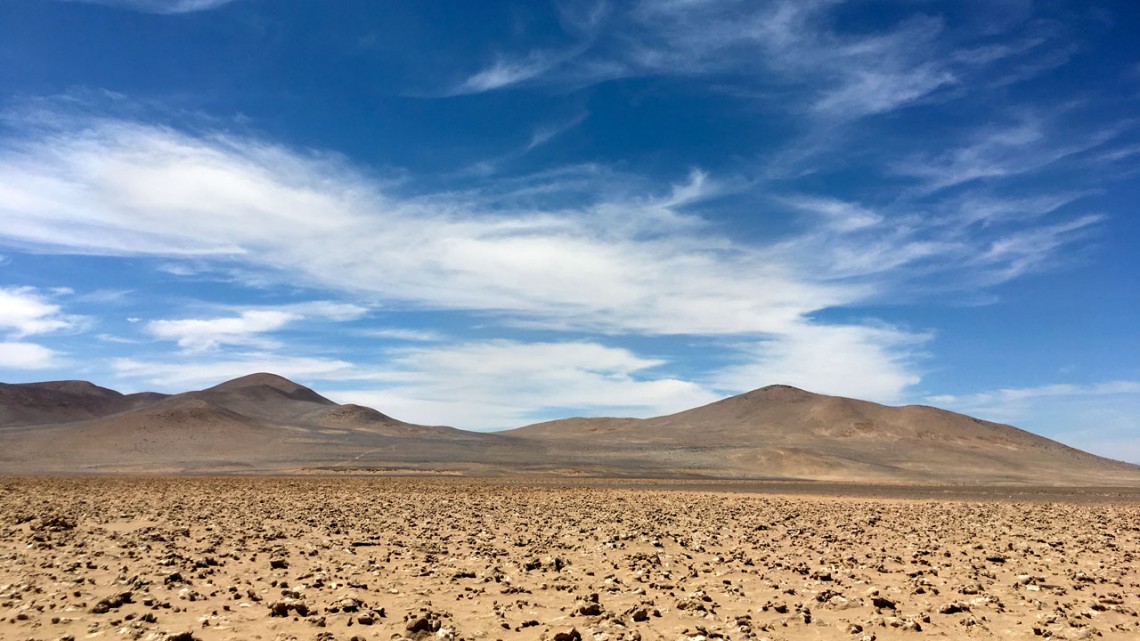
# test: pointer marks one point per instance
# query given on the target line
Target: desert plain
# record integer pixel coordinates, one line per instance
(360, 557)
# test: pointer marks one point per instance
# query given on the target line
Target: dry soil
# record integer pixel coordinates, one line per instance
(387, 558)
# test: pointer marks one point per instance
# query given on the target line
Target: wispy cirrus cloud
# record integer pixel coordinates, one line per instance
(1028, 144)
(159, 6)
(1018, 394)
(570, 251)
(1101, 416)
(127, 189)
(504, 73)
(545, 134)
(775, 48)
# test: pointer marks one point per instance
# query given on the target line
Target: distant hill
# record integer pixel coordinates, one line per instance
(264, 423)
(785, 432)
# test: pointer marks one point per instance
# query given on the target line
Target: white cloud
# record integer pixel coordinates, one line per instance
(182, 375)
(868, 92)
(1000, 151)
(330, 310)
(197, 335)
(404, 334)
(249, 326)
(1029, 250)
(128, 189)
(545, 134)
(498, 384)
(160, 6)
(504, 73)
(624, 263)
(871, 363)
(849, 75)
(20, 355)
(988, 210)
(1005, 396)
(837, 214)
(24, 311)
(1102, 417)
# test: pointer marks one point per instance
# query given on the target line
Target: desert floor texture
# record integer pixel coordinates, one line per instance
(391, 558)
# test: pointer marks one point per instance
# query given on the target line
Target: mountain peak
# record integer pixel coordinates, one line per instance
(258, 379)
(84, 388)
(262, 380)
(780, 388)
(774, 393)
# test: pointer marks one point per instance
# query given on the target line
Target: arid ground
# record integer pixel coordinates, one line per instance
(392, 558)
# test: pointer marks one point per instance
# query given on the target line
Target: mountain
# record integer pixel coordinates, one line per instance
(264, 423)
(260, 423)
(62, 401)
(785, 432)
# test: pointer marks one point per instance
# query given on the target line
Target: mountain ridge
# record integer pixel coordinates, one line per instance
(265, 423)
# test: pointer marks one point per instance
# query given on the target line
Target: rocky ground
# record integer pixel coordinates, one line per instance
(376, 558)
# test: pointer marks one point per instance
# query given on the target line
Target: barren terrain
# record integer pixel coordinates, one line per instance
(265, 424)
(391, 558)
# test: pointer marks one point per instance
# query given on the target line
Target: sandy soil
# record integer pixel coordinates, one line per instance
(376, 558)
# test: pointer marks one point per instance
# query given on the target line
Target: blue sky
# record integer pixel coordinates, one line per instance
(489, 214)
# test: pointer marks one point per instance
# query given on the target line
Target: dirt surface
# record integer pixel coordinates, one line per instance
(395, 558)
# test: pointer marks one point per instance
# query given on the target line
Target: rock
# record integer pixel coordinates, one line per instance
(590, 610)
(953, 608)
(883, 603)
(971, 588)
(571, 635)
(284, 607)
(422, 624)
(347, 605)
(104, 606)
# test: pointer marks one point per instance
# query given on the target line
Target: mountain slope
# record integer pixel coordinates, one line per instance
(61, 401)
(264, 423)
(256, 423)
(784, 432)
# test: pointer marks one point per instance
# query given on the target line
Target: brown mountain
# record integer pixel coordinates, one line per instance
(264, 423)
(260, 423)
(785, 432)
(62, 401)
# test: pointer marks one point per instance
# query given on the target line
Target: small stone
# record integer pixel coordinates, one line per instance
(590, 610)
(883, 602)
(953, 608)
(571, 635)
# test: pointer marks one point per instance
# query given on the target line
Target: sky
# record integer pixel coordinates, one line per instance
(488, 214)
